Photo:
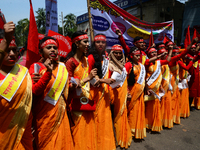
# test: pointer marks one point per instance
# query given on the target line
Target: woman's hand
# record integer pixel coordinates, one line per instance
(93, 73)
(49, 64)
(118, 32)
(36, 77)
(129, 97)
(9, 29)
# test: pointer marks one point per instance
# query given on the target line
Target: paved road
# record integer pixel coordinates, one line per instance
(185, 136)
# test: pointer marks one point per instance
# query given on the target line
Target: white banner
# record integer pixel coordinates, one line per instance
(51, 16)
(106, 19)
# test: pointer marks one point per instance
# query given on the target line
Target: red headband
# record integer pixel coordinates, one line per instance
(161, 45)
(136, 52)
(193, 46)
(47, 42)
(170, 43)
(100, 38)
(151, 50)
(140, 40)
(116, 48)
(161, 51)
(79, 38)
(12, 43)
(175, 51)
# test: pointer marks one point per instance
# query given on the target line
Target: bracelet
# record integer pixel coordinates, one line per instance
(2, 52)
(82, 83)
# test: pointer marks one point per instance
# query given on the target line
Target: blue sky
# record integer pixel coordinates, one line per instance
(14, 10)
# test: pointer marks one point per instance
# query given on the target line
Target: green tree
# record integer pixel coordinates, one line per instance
(41, 20)
(21, 31)
(70, 24)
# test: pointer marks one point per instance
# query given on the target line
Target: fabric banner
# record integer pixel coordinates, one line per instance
(65, 43)
(51, 15)
(2, 20)
(106, 17)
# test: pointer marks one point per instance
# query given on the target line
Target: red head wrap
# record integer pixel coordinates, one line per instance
(151, 50)
(116, 48)
(170, 43)
(100, 38)
(193, 46)
(79, 38)
(176, 50)
(161, 45)
(47, 42)
(12, 43)
(140, 40)
(161, 51)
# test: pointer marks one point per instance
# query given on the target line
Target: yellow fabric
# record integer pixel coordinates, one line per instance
(12, 81)
(176, 94)
(166, 110)
(103, 120)
(152, 108)
(83, 132)
(122, 128)
(136, 114)
(14, 115)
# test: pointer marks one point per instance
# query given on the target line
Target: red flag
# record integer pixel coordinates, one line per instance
(166, 39)
(40, 36)
(151, 39)
(32, 55)
(187, 38)
(2, 20)
(65, 43)
(196, 34)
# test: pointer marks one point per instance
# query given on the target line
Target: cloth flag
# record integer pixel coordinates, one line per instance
(106, 17)
(151, 39)
(32, 55)
(65, 43)
(187, 38)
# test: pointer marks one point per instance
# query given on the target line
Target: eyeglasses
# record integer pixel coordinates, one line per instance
(54, 47)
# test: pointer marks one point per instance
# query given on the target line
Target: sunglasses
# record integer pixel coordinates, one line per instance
(54, 47)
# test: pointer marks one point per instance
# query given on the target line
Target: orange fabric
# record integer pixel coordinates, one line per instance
(176, 94)
(83, 131)
(122, 128)
(184, 103)
(136, 114)
(152, 108)
(103, 119)
(14, 116)
(197, 102)
(166, 110)
(52, 130)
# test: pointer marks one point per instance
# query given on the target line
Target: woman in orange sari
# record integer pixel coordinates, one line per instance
(15, 96)
(118, 94)
(52, 130)
(155, 91)
(100, 93)
(82, 125)
(136, 83)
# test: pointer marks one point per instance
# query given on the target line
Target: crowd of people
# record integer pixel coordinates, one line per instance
(94, 100)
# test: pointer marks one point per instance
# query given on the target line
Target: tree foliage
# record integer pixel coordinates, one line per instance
(70, 24)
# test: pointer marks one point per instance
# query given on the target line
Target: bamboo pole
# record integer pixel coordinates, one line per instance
(90, 22)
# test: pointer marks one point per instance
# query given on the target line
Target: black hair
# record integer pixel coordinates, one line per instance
(97, 59)
(166, 43)
(131, 79)
(74, 47)
(137, 38)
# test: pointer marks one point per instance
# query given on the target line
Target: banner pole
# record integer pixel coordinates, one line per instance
(90, 22)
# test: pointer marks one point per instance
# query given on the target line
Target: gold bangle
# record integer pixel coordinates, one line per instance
(2, 52)
(82, 83)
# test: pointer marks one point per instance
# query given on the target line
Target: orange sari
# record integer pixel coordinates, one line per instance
(83, 131)
(152, 104)
(52, 130)
(184, 96)
(14, 117)
(176, 94)
(122, 128)
(166, 110)
(136, 114)
(102, 115)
